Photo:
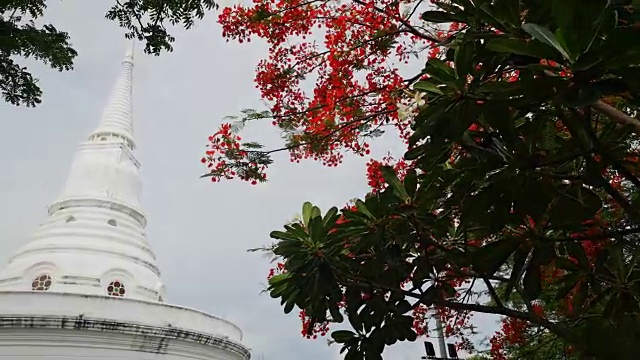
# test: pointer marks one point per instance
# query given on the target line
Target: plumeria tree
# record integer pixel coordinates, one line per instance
(518, 191)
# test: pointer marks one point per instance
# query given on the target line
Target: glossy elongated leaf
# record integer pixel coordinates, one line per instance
(543, 253)
(279, 279)
(509, 10)
(392, 179)
(547, 37)
(489, 258)
(362, 207)
(414, 153)
(308, 212)
(499, 87)
(439, 70)
(330, 217)
(574, 204)
(576, 251)
(307, 209)
(519, 260)
(428, 87)
(534, 195)
(440, 17)
(569, 283)
(580, 295)
(464, 55)
(290, 302)
(507, 45)
(282, 235)
(298, 230)
(403, 307)
(532, 283)
(277, 292)
(580, 21)
(342, 336)
(411, 182)
(492, 15)
(336, 316)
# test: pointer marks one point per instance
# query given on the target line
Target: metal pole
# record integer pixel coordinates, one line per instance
(441, 342)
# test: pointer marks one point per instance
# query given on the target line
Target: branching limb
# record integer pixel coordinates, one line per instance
(617, 116)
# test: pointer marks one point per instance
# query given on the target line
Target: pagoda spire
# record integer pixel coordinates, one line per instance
(117, 117)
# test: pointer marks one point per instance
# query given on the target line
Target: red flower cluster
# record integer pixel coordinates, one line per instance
(356, 86)
(420, 320)
(227, 159)
(279, 269)
(312, 330)
(511, 333)
(374, 174)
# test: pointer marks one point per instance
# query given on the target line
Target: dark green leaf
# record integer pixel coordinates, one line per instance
(464, 56)
(569, 283)
(519, 260)
(342, 336)
(440, 17)
(534, 49)
(336, 316)
(392, 179)
(290, 302)
(489, 258)
(532, 283)
(574, 205)
(414, 153)
(498, 86)
(545, 36)
(403, 307)
(362, 207)
(579, 22)
(576, 251)
(440, 71)
(428, 86)
(281, 235)
(411, 182)
(580, 296)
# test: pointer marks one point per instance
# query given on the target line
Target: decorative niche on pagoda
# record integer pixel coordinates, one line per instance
(93, 241)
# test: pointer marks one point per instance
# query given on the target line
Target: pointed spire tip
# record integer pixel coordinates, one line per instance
(130, 50)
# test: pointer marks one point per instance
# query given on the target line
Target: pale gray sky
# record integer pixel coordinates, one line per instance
(200, 231)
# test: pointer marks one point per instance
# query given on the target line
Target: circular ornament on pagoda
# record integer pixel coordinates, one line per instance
(41, 283)
(116, 288)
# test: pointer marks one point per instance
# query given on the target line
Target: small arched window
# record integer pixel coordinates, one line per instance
(112, 222)
(70, 218)
(116, 288)
(41, 283)
(104, 138)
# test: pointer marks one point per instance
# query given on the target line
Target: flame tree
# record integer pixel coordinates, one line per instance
(518, 191)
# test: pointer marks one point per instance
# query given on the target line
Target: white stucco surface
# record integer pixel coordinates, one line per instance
(43, 325)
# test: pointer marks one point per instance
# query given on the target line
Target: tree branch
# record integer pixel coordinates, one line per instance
(601, 236)
(404, 22)
(617, 115)
(531, 317)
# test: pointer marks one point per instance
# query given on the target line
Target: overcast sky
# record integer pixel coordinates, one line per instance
(199, 231)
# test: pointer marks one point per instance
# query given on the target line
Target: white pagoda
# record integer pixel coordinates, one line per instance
(87, 285)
